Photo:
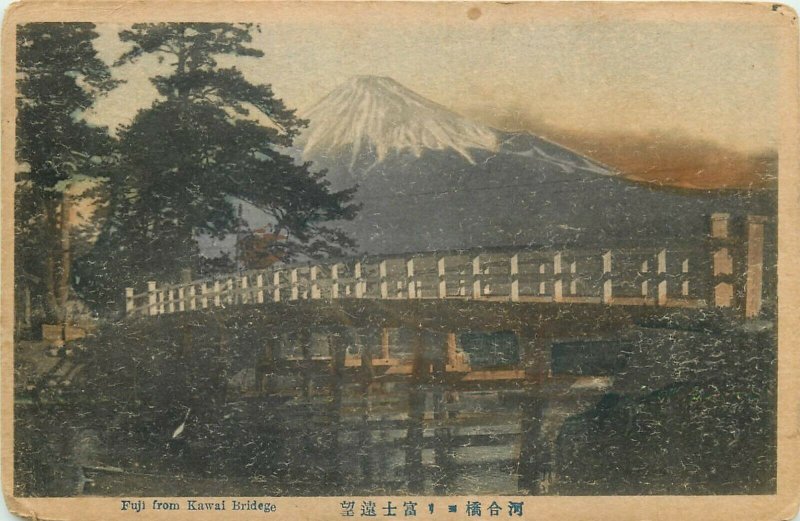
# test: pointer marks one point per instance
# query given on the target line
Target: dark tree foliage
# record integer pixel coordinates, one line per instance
(58, 76)
(710, 432)
(212, 138)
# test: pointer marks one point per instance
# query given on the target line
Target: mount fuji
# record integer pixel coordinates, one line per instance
(430, 179)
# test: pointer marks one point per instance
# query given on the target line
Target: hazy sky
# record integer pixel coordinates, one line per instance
(714, 78)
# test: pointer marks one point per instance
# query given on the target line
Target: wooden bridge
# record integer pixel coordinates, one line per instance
(724, 270)
(371, 351)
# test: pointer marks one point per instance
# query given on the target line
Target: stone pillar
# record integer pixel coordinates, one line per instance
(754, 283)
(722, 285)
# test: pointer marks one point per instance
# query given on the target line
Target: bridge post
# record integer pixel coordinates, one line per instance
(645, 270)
(181, 299)
(514, 274)
(244, 296)
(476, 277)
(166, 296)
(662, 277)
(410, 280)
(192, 299)
(416, 415)
(440, 269)
(276, 286)
(260, 288)
(384, 280)
(314, 272)
(204, 295)
(573, 277)
(685, 277)
(294, 284)
(558, 281)
(361, 284)
(230, 297)
(534, 453)
(754, 283)
(385, 343)
(128, 301)
(217, 294)
(608, 282)
(161, 302)
(152, 299)
(338, 349)
(444, 452)
(335, 281)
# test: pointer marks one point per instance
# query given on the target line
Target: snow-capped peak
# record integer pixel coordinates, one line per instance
(379, 115)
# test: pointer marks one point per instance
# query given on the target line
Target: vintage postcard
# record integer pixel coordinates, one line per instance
(412, 260)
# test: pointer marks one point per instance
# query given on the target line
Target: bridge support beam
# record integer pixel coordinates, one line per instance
(415, 474)
(534, 455)
(534, 452)
(443, 450)
(364, 342)
(338, 348)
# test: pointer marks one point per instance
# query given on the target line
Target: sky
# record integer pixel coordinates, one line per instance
(706, 77)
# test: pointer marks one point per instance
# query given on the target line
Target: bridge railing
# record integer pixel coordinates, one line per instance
(676, 276)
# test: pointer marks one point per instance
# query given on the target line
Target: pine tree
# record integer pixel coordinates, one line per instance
(58, 76)
(212, 138)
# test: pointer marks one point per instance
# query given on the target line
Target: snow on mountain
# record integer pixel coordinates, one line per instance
(379, 115)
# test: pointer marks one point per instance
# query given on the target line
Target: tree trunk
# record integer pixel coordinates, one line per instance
(64, 272)
(49, 275)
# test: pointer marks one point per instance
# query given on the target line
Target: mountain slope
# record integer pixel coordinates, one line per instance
(377, 114)
(429, 179)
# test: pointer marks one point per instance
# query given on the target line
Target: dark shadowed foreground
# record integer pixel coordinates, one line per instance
(301, 400)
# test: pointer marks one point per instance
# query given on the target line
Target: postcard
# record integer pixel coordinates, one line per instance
(414, 260)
